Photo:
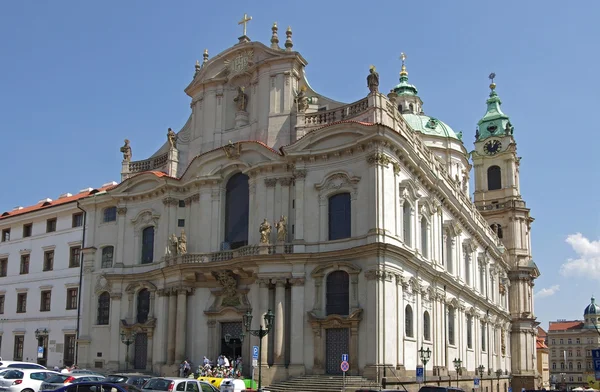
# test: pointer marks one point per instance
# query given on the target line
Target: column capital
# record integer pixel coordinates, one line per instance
(263, 282)
(170, 201)
(280, 282)
(122, 210)
(297, 281)
(286, 181)
(270, 182)
(115, 296)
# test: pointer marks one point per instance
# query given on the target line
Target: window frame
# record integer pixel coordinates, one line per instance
(45, 302)
(25, 264)
(341, 297)
(494, 178)
(75, 256)
(409, 330)
(5, 235)
(2, 303)
(71, 298)
(103, 308)
(48, 264)
(27, 230)
(3, 267)
(345, 229)
(103, 255)
(18, 347)
(77, 219)
(51, 225)
(109, 214)
(147, 249)
(21, 303)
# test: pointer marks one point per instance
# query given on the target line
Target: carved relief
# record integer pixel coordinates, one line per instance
(229, 284)
(338, 181)
(270, 182)
(121, 210)
(233, 150)
(379, 158)
(145, 218)
(409, 190)
(379, 275)
(300, 173)
(102, 284)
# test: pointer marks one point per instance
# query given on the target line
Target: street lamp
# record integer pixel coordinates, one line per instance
(481, 369)
(457, 364)
(260, 333)
(40, 335)
(498, 374)
(425, 355)
(127, 338)
(228, 340)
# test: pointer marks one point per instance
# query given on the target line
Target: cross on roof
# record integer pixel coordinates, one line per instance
(244, 21)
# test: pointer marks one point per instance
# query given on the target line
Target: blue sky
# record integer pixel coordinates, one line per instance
(77, 77)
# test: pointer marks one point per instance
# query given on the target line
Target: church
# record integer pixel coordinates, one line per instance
(351, 222)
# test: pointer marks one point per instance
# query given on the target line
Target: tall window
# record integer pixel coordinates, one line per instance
(338, 293)
(48, 260)
(5, 235)
(27, 229)
(237, 211)
(3, 267)
(51, 225)
(21, 302)
(424, 238)
(143, 305)
(110, 214)
(482, 279)
(107, 256)
(406, 223)
(483, 336)
(24, 264)
(69, 353)
(74, 256)
(339, 216)
(148, 245)
(77, 220)
(450, 253)
(1, 305)
(18, 349)
(72, 296)
(494, 178)
(451, 321)
(469, 331)
(45, 300)
(467, 257)
(426, 326)
(408, 322)
(103, 308)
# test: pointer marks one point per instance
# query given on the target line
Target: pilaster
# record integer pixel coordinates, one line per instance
(299, 176)
(279, 357)
(297, 324)
(115, 328)
(171, 329)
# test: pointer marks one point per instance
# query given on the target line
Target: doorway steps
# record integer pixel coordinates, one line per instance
(325, 383)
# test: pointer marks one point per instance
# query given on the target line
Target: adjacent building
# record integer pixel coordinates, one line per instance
(570, 344)
(543, 363)
(352, 222)
(40, 259)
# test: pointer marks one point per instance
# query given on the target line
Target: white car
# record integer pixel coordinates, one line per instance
(61, 380)
(21, 365)
(24, 380)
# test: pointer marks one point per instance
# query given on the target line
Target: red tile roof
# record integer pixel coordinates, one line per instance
(49, 204)
(565, 325)
(541, 333)
(540, 344)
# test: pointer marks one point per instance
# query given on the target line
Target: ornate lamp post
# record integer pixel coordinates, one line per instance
(127, 338)
(425, 355)
(481, 369)
(228, 340)
(498, 374)
(260, 333)
(40, 336)
(457, 364)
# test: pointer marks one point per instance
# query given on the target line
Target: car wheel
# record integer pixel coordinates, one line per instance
(27, 390)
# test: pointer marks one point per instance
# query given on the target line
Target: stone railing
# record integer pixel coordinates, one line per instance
(250, 250)
(148, 164)
(338, 114)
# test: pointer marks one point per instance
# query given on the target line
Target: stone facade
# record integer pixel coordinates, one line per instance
(384, 251)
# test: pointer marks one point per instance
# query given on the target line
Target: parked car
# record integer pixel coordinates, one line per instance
(95, 387)
(21, 365)
(29, 380)
(137, 379)
(85, 371)
(177, 384)
(60, 380)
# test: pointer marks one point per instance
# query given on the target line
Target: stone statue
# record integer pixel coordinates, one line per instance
(302, 100)
(241, 100)
(172, 138)
(228, 282)
(173, 245)
(265, 232)
(373, 80)
(126, 150)
(459, 135)
(508, 129)
(281, 227)
(476, 133)
(182, 243)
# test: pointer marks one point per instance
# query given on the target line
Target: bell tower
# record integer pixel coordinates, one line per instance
(498, 198)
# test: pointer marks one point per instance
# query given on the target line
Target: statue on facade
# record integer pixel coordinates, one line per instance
(182, 243)
(508, 130)
(241, 100)
(302, 100)
(126, 150)
(476, 133)
(172, 138)
(173, 245)
(373, 80)
(281, 227)
(265, 232)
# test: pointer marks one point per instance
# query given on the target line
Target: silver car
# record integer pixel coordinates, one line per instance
(24, 380)
(64, 379)
(177, 384)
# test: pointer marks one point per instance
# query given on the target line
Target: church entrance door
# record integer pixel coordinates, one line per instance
(231, 344)
(140, 351)
(337, 342)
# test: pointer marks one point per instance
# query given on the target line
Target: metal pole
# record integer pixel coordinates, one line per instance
(424, 371)
(127, 355)
(260, 338)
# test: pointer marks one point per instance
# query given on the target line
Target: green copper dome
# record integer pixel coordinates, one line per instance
(494, 122)
(430, 126)
(405, 88)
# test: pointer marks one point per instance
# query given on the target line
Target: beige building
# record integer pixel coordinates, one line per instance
(543, 364)
(570, 344)
(352, 222)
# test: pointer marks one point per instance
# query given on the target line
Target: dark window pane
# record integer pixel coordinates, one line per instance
(338, 293)
(103, 308)
(148, 245)
(494, 178)
(339, 216)
(237, 211)
(143, 306)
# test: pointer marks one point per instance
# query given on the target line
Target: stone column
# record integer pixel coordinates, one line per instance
(171, 330)
(160, 333)
(181, 325)
(300, 176)
(115, 327)
(279, 322)
(119, 251)
(285, 202)
(170, 226)
(216, 235)
(297, 326)
(264, 307)
(150, 351)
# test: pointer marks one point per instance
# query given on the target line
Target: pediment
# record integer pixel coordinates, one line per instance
(330, 138)
(140, 183)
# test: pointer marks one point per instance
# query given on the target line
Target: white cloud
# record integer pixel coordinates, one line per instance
(543, 293)
(587, 262)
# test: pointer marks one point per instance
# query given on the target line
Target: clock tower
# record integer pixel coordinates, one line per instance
(498, 198)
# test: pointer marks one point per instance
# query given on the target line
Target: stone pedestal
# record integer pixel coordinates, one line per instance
(263, 249)
(241, 119)
(124, 170)
(279, 248)
(172, 162)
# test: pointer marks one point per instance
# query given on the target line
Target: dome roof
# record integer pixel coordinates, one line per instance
(592, 308)
(430, 126)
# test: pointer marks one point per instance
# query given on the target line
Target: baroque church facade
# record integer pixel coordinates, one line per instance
(351, 222)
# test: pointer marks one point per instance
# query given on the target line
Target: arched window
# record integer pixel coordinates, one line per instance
(143, 305)
(562, 365)
(338, 293)
(103, 308)
(554, 365)
(570, 365)
(107, 256)
(400, 108)
(426, 326)
(578, 365)
(148, 245)
(408, 322)
(424, 238)
(469, 331)
(406, 223)
(483, 337)
(497, 228)
(110, 214)
(494, 178)
(411, 107)
(237, 211)
(451, 317)
(339, 216)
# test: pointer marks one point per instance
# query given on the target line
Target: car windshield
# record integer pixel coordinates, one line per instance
(13, 375)
(57, 379)
(114, 378)
(157, 384)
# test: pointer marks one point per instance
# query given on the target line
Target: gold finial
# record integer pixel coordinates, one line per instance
(492, 85)
(303, 88)
(205, 56)
(274, 25)
(372, 67)
(244, 21)
(197, 63)
(403, 72)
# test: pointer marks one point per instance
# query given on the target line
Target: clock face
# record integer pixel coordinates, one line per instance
(492, 147)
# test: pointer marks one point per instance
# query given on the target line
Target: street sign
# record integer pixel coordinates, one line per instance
(596, 357)
(255, 363)
(254, 352)
(345, 357)
(420, 374)
(345, 366)
(476, 382)
(509, 389)
(40, 351)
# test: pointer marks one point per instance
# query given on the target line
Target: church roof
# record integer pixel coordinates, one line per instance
(592, 308)
(430, 126)
(494, 122)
